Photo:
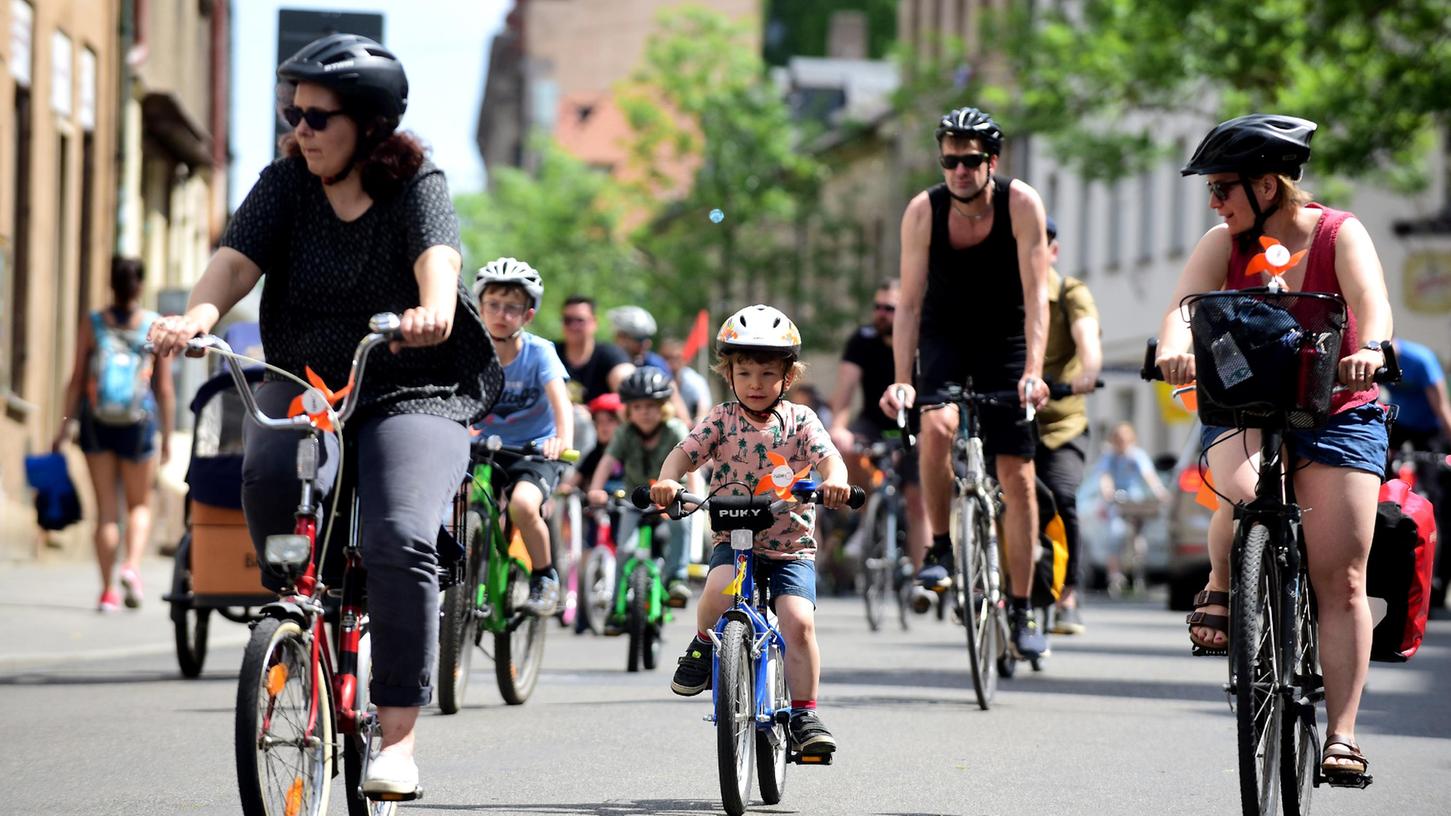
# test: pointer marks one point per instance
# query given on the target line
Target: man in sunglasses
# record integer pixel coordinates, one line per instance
(594, 368)
(974, 305)
(867, 363)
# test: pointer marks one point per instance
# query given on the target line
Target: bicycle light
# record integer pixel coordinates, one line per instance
(288, 552)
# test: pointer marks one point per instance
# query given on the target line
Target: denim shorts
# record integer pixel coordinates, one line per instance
(779, 577)
(131, 443)
(1357, 439)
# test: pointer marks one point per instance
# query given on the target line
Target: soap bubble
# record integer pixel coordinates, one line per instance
(716, 216)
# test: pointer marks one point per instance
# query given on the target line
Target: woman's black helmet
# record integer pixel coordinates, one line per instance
(365, 74)
(972, 123)
(645, 382)
(1254, 145)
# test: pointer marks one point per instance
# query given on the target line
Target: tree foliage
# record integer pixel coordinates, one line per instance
(798, 28)
(1372, 74)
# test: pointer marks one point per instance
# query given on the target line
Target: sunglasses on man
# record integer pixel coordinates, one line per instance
(949, 161)
(316, 118)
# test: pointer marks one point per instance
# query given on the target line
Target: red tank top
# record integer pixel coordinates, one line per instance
(1319, 277)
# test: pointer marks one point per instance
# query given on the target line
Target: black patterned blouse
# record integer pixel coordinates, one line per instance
(324, 277)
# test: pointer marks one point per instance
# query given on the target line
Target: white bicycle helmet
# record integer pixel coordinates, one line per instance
(510, 271)
(632, 321)
(759, 328)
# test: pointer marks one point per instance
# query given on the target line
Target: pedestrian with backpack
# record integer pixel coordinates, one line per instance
(119, 395)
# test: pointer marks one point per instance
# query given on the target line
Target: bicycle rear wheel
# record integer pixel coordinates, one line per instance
(597, 590)
(518, 650)
(771, 742)
(1300, 745)
(566, 533)
(973, 595)
(458, 631)
(735, 717)
(281, 767)
(1257, 672)
(189, 622)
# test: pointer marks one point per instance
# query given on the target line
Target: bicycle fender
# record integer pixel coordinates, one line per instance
(286, 610)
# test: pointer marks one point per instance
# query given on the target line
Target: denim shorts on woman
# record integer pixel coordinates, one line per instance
(131, 443)
(1357, 439)
(780, 577)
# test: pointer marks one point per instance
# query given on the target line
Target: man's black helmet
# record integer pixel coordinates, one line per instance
(645, 382)
(1254, 144)
(973, 123)
(365, 74)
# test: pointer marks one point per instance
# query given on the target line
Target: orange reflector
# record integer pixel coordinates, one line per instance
(1187, 396)
(809, 758)
(1206, 496)
(294, 798)
(1191, 479)
(276, 679)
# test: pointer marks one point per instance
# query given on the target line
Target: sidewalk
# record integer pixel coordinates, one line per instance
(48, 616)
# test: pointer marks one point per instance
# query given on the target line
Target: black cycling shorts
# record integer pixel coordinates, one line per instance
(989, 369)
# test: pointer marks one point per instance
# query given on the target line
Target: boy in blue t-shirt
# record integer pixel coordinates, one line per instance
(533, 410)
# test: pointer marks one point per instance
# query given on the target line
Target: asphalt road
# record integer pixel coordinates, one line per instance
(1122, 720)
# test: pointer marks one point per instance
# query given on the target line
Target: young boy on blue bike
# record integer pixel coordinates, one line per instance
(649, 434)
(759, 443)
(533, 409)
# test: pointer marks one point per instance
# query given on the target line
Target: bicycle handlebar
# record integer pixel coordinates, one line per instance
(1388, 374)
(495, 444)
(641, 499)
(383, 327)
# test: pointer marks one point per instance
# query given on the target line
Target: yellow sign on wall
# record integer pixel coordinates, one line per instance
(1428, 282)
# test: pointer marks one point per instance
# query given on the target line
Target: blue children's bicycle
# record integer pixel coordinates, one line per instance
(750, 702)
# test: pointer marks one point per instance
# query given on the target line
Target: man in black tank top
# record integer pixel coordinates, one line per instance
(974, 305)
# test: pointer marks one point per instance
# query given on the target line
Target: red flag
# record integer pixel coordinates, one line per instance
(699, 335)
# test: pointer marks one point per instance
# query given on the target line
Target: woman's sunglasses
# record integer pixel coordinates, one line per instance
(973, 161)
(1220, 190)
(316, 117)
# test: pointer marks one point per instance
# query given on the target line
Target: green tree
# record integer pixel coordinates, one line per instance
(1372, 74)
(564, 220)
(798, 28)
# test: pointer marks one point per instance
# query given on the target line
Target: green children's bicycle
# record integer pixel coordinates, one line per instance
(641, 606)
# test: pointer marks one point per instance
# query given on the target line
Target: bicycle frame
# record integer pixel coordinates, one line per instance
(642, 556)
(976, 484)
(498, 561)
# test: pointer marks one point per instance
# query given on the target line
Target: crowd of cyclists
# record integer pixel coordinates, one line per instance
(354, 220)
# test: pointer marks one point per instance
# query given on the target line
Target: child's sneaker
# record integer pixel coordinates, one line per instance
(131, 588)
(109, 602)
(679, 594)
(614, 625)
(692, 676)
(809, 736)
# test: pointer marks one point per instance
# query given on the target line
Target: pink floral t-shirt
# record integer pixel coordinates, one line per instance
(744, 453)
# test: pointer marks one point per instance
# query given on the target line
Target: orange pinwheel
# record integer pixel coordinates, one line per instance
(1276, 259)
(318, 413)
(780, 479)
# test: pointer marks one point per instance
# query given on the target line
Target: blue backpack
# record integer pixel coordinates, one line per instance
(120, 378)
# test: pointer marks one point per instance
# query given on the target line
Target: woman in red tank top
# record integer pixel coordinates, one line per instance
(1251, 165)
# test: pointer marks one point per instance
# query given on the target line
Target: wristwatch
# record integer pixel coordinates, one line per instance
(1373, 345)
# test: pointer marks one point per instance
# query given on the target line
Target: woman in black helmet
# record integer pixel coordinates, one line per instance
(351, 221)
(1251, 165)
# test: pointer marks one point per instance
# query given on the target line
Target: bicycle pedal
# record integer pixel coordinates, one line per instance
(1359, 781)
(798, 758)
(676, 603)
(395, 797)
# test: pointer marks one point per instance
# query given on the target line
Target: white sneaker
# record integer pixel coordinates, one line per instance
(391, 773)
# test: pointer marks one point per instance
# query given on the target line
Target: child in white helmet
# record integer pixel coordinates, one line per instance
(749, 438)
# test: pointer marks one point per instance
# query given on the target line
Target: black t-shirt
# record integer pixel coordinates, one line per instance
(593, 378)
(324, 277)
(974, 295)
(873, 355)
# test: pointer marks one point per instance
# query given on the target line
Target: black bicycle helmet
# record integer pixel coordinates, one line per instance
(973, 123)
(365, 74)
(1255, 144)
(645, 382)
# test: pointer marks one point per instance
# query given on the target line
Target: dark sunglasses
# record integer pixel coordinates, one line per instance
(884, 307)
(949, 161)
(1220, 190)
(316, 117)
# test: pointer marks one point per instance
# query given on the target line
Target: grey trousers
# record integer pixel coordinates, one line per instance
(409, 468)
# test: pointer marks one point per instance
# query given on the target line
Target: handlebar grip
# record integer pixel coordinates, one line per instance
(1151, 372)
(1390, 373)
(858, 498)
(569, 455)
(640, 497)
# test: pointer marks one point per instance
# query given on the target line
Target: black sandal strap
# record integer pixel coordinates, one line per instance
(1211, 597)
(1219, 623)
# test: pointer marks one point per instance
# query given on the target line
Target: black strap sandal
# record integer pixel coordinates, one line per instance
(1342, 757)
(1219, 623)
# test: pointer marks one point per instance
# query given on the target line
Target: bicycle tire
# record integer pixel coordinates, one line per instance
(518, 653)
(355, 744)
(899, 573)
(459, 627)
(875, 572)
(564, 536)
(1300, 743)
(273, 690)
(637, 616)
(189, 622)
(735, 720)
(598, 592)
(1256, 672)
(973, 598)
(771, 751)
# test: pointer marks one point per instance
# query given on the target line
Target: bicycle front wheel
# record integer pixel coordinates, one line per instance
(876, 569)
(284, 725)
(1257, 672)
(597, 591)
(637, 618)
(458, 631)
(519, 649)
(735, 717)
(974, 596)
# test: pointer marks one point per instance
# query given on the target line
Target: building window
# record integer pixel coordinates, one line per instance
(1084, 238)
(1115, 226)
(1147, 205)
(1050, 194)
(15, 269)
(1177, 220)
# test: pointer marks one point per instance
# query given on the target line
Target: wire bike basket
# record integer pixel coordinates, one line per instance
(1266, 359)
